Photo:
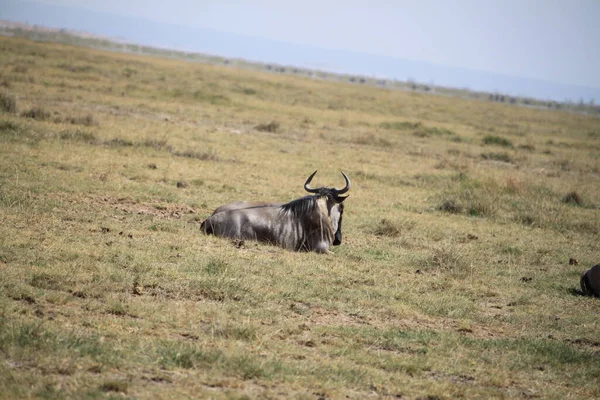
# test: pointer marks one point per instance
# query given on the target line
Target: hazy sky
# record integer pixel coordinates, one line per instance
(555, 40)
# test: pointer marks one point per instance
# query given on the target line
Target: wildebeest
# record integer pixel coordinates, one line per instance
(310, 223)
(590, 281)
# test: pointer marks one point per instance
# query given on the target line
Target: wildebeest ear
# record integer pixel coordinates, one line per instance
(340, 199)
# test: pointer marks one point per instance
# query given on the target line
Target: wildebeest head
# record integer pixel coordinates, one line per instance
(335, 203)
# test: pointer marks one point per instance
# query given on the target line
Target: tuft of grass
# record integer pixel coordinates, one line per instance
(448, 257)
(216, 99)
(527, 147)
(451, 206)
(372, 140)
(215, 267)
(187, 356)
(158, 144)
(424, 131)
(78, 135)
(117, 308)
(9, 127)
(272, 127)
(87, 120)
(573, 198)
(503, 157)
(119, 142)
(114, 386)
(8, 103)
(37, 113)
(401, 125)
(209, 155)
(237, 332)
(496, 141)
(390, 228)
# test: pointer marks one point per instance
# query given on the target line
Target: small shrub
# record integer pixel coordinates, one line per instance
(8, 103)
(209, 155)
(215, 267)
(78, 136)
(528, 147)
(497, 140)
(9, 126)
(448, 258)
(401, 125)
(247, 91)
(129, 72)
(118, 142)
(387, 228)
(573, 198)
(21, 69)
(424, 131)
(451, 206)
(216, 99)
(504, 157)
(481, 207)
(272, 127)
(158, 144)
(372, 140)
(117, 308)
(87, 120)
(37, 113)
(114, 386)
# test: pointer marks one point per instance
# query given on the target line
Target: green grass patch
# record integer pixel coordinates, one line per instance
(496, 141)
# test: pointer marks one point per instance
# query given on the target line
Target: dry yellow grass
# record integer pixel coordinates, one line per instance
(453, 279)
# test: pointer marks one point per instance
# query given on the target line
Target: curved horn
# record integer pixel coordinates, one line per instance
(309, 190)
(346, 188)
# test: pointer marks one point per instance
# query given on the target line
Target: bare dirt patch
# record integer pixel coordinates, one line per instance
(131, 206)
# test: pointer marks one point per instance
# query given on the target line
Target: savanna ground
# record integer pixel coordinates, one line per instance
(453, 279)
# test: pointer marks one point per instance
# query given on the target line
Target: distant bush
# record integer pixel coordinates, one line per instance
(158, 144)
(37, 113)
(448, 258)
(129, 72)
(272, 126)
(119, 142)
(78, 136)
(497, 140)
(9, 126)
(387, 228)
(209, 155)
(8, 103)
(401, 125)
(451, 206)
(573, 198)
(504, 157)
(75, 68)
(528, 147)
(248, 91)
(423, 131)
(87, 120)
(372, 140)
(21, 69)
(211, 98)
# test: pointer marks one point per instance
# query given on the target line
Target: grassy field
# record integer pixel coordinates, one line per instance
(453, 280)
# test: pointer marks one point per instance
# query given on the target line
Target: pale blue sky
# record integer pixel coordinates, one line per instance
(555, 40)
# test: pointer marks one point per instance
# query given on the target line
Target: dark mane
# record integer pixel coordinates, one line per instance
(307, 204)
(301, 206)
